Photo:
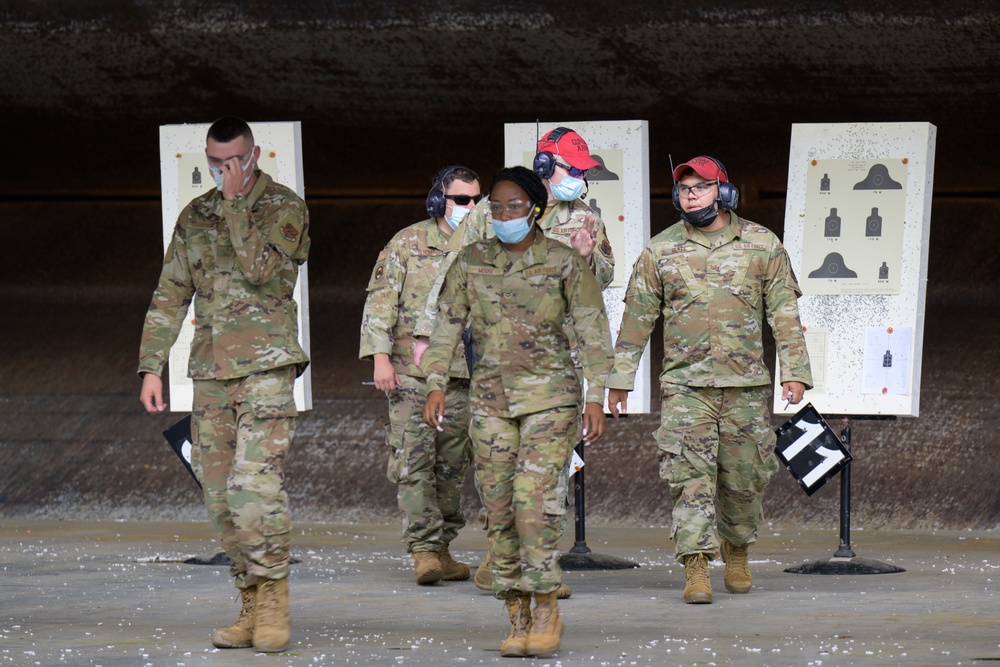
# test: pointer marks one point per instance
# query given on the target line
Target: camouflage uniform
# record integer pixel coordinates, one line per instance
(239, 261)
(427, 466)
(715, 441)
(561, 219)
(525, 390)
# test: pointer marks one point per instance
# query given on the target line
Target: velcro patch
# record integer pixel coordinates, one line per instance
(486, 270)
(542, 271)
(673, 250)
(289, 231)
(378, 279)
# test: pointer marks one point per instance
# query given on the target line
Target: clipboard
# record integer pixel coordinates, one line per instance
(178, 436)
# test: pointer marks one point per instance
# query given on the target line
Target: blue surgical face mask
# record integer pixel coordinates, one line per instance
(220, 178)
(512, 231)
(567, 189)
(457, 216)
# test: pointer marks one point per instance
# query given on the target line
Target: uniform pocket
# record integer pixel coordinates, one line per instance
(750, 280)
(394, 444)
(554, 500)
(277, 522)
(486, 293)
(273, 407)
(665, 455)
(270, 394)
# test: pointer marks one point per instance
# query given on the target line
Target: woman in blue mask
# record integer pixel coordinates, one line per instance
(520, 291)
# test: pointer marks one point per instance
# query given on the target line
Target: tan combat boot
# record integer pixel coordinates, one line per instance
(484, 574)
(427, 567)
(240, 633)
(272, 627)
(453, 570)
(546, 626)
(697, 587)
(519, 609)
(738, 578)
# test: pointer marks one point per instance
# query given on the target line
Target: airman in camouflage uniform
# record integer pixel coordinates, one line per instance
(568, 220)
(714, 277)
(520, 294)
(236, 251)
(427, 466)
(571, 222)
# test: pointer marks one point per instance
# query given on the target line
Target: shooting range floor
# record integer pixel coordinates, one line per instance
(118, 593)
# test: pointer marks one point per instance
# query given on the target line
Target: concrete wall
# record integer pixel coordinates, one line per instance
(388, 93)
(76, 443)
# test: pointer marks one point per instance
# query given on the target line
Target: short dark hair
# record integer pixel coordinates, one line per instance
(528, 181)
(449, 175)
(228, 128)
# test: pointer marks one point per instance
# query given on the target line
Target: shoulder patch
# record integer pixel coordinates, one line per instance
(290, 232)
(378, 279)
(606, 246)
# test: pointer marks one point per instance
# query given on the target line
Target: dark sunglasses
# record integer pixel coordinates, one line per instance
(573, 171)
(465, 200)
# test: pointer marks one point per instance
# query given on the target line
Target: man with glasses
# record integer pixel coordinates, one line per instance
(236, 251)
(427, 466)
(715, 277)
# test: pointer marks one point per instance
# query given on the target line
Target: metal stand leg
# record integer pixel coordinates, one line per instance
(580, 557)
(580, 521)
(844, 561)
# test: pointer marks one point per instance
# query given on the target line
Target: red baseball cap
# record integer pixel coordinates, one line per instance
(570, 146)
(708, 168)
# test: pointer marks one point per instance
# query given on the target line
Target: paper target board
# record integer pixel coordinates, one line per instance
(619, 192)
(184, 176)
(857, 225)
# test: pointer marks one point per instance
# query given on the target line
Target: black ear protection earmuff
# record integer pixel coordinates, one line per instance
(436, 204)
(544, 163)
(729, 196)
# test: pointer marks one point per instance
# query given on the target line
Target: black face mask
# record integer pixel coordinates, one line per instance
(702, 217)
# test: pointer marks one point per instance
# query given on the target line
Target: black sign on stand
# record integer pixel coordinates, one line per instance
(810, 449)
(813, 454)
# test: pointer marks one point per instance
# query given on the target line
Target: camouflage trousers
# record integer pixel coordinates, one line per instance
(428, 466)
(242, 429)
(716, 452)
(521, 465)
